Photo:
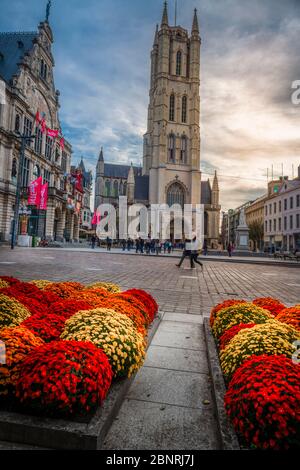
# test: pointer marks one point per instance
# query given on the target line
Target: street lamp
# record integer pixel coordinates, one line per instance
(25, 139)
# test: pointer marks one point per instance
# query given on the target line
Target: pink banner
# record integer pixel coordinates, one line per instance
(96, 218)
(44, 196)
(35, 192)
(52, 133)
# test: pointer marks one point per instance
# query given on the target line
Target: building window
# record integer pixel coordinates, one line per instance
(107, 188)
(270, 209)
(291, 222)
(298, 200)
(175, 195)
(266, 226)
(48, 148)
(275, 207)
(125, 188)
(116, 189)
(291, 202)
(64, 162)
(36, 171)
(184, 109)
(274, 225)
(183, 150)
(121, 189)
(27, 126)
(178, 63)
(297, 220)
(17, 123)
(14, 168)
(279, 224)
(25, 173)
(266, 210)
(43, 70)
(38, 140)
(172, 108)
(47, 176)
(285, 204)
(285, 223)
(279, 206)
(270, 225)
(171, 148)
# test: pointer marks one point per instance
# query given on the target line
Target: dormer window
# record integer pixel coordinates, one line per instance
(20, 44)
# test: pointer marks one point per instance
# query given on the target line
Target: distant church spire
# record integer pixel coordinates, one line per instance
(101, 159)
(165, 20)
(48, 7)
(195, 28)
(155, 43)
(215, 182)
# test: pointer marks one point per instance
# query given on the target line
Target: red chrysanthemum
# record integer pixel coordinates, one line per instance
(33, 305)
(63, 290)
(263, 402)
(268, 303)
(67, 307)
(64, 378)
(224, 304)
(146, 299)
(290, 316)
(48, 326)
(10, 280)
(229, 334)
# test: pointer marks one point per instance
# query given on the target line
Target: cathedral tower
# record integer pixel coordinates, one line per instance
(172, 141)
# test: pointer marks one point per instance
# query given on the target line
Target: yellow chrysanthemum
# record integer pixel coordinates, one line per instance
(12, 312)
(109, 286)
(41, 283)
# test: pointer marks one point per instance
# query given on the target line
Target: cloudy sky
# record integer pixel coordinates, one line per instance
(250, 57)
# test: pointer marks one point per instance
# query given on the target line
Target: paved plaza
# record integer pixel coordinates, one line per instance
(169, 405)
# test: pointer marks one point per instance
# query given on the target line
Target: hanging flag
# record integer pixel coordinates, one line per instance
(37, 118)
(78, 184)
(35, 192)
(44, 196)
(62, 143)
(52, 133)
(43, 125)
(96, 218)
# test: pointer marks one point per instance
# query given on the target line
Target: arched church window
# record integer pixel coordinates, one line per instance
(175, 195)
(121, 189)
(178, 63)
(116, 188)
(107, 188)
(172, 108)
(183, 149)
(184, 109)
(171, 148)
(14, 168)
(125, 188)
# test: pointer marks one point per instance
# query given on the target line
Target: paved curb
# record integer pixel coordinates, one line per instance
(228, 438)
(63, 434)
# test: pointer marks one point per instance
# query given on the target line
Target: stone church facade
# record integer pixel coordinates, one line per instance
(27, 84)
(171, 160)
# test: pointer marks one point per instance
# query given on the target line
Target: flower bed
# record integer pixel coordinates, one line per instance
(257, 357)
(66, 342)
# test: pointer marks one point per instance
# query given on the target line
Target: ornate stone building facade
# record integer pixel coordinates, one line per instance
(26, 74)
(171, 161)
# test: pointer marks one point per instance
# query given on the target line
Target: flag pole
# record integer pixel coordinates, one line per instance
(175, 12)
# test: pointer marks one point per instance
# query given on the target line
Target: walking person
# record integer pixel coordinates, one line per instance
(123, 245)
(195, 252)
(137, 245)
(229, 249)
(109, 243)
(157, 247)
(93, 240)
(186, 253)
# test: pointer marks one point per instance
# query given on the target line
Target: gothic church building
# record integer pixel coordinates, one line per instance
(171, 161)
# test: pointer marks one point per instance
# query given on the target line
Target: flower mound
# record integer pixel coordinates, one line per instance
(225, 304)
(114, 333)
(40, 283)
(271, 338)
(263, 402)
(3, 283)
(67, 307)
(290, 316)
(64, 377)
(63, 289)
(236, 314)
(109, 286)
(268, 303)
(19, 342)
(34, 306)
(229, 334)
(49, 326)
(147, 299)
(12, 312)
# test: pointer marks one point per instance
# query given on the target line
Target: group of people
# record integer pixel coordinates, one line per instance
(154, 246)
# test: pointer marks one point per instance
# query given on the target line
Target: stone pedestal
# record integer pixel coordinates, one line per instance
(242, 238)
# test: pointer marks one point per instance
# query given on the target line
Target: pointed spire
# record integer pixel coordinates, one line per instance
(195, 28)
(155, 43)
(165, 20)
(48, 7)
(215, 182)
(101, 158)
(130, 178)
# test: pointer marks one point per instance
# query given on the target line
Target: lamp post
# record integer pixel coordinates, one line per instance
(25, 139)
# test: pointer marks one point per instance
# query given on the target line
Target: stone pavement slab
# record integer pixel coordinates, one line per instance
(176, 359)
(179, 335)
(147, 426)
